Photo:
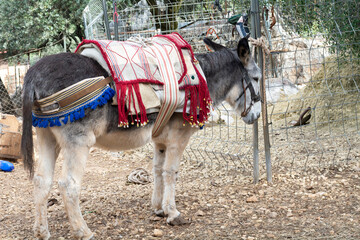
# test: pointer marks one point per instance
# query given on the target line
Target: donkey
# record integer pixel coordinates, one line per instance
(231, 74)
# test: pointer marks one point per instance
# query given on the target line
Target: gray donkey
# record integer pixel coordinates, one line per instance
(231, 75)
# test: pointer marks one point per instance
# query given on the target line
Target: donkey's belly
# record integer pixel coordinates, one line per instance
(124, 139)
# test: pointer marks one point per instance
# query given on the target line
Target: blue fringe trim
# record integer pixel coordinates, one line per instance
(75, 115)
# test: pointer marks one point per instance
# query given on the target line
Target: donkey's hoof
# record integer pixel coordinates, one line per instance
(42, 234)
(87, 235)
(91, 237)
(178, 221)
(42, 237)
(160, 213)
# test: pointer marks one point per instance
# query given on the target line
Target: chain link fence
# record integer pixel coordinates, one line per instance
(313, 69)
(12, 72)
(312, 77)
(312, 82)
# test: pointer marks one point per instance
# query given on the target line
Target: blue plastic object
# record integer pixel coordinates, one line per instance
(6, 166)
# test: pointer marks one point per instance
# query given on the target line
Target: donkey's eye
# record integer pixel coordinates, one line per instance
(256, 79)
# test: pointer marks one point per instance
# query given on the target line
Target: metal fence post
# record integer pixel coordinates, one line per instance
(256, 27)
(256, 170)
(116, 30)
(106, 19)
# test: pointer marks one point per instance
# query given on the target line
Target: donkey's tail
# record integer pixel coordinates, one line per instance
(27, 138)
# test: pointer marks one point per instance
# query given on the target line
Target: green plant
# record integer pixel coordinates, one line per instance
(30, 24)
(338, 21)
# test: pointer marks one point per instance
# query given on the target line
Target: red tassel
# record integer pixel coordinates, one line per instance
(200, 102)
(121, 96)
(185, 115)
(127, 91)
(134, 106)
(204, 98)
(143, 116)
(131, 97)
(193, 105)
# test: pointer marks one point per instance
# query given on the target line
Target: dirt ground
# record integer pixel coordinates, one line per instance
(219, 204)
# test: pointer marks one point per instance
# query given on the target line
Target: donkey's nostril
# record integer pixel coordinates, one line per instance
(258, 115)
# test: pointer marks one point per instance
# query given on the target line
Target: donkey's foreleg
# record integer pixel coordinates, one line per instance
(43, 180)
(158, 162)
(70, 185)
(170, 172)
(174, 137)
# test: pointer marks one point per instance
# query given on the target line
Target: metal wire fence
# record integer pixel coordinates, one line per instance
(313, 69)
(12, 73)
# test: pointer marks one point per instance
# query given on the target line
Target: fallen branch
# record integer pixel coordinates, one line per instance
(303, 120)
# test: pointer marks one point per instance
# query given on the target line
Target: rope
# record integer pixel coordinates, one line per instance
(115, 14)
(139, 176)
(211, 31)
(260, 42)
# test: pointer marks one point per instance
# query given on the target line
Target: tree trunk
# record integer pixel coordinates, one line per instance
(7, 106)
(165, 20)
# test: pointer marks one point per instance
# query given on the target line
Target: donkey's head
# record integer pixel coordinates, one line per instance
(243, 78)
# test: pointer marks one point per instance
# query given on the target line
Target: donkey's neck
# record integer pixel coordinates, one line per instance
(220, 69)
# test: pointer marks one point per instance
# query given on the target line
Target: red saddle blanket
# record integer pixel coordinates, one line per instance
(164, 60)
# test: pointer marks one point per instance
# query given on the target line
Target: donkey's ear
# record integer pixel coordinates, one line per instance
(243, 50)
(213, 45)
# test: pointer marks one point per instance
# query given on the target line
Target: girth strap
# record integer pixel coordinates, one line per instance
(84, 92)
(171, 90)
(71, 98)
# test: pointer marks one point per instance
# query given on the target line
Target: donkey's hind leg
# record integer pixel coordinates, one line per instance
(158, 163)
(75, 152)
(170, 173)
(43, 180)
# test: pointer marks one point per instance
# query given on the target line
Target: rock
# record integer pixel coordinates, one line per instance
(289, 213)
(249, 212)
(278, 87)
(299, 44)
(199, 213)
(155, 219)
(52, 201)
(273, 214)
(158, 233)
(252, 199)
(270, 235)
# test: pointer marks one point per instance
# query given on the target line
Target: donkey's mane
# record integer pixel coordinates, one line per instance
(216, 61)
(221, 68)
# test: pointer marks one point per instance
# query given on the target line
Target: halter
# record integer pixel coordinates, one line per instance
(254, 97)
